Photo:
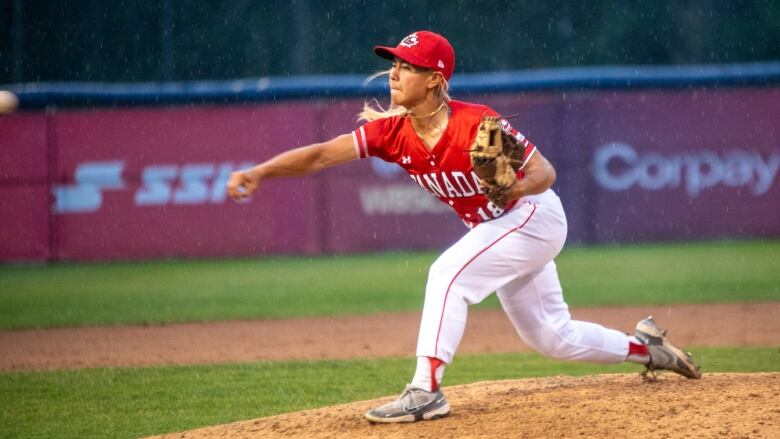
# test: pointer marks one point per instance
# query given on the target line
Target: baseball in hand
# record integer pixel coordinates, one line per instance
(8, 102)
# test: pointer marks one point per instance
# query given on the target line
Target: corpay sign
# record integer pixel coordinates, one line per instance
(618, 167)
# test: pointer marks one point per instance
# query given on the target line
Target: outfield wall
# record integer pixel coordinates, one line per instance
(148, 182)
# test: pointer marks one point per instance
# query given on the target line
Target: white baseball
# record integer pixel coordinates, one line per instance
(8, 102)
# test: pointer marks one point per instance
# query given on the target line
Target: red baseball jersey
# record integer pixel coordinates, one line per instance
(445, 170)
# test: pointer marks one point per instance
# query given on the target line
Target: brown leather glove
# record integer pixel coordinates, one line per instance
(496, 156)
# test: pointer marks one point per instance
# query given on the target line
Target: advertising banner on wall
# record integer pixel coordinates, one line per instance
(685, 165)
(640, 165)
(150, 183)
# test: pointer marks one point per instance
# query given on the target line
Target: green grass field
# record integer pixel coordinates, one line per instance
(132, 402)
(179, 291)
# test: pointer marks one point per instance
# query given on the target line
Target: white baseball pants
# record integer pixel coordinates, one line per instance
(513, 255)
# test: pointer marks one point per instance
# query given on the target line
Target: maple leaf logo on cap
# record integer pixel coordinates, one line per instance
(410, 41)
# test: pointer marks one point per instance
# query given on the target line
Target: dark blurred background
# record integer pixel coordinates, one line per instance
(89, 40)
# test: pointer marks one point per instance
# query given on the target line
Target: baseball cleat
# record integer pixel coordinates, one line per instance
(413, 405)
(663, 354)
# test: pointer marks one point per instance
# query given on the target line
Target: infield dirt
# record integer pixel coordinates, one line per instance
(382, 335)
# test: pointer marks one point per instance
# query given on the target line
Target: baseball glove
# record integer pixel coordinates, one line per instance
(496, 156)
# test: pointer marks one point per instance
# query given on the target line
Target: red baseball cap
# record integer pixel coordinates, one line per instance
(423, 49)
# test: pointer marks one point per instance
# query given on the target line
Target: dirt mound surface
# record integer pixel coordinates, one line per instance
(718, 405)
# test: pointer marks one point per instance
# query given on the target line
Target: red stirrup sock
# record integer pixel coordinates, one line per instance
(637, 352)
(435, 366)
(428, 373)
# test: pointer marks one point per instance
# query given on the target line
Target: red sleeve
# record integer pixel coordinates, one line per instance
(372, 139)
(530, 148)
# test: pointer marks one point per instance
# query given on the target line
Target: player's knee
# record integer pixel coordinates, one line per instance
(556, 343)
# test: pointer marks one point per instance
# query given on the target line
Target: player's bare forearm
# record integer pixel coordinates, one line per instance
(296, 162)
(307, 160)
(539, 175)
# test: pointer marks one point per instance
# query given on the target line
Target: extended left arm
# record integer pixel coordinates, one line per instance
(539, 176)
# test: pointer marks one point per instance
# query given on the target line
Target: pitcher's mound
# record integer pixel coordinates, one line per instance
(718, 405)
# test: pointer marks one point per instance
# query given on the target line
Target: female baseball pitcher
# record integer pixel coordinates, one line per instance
(508, 248)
